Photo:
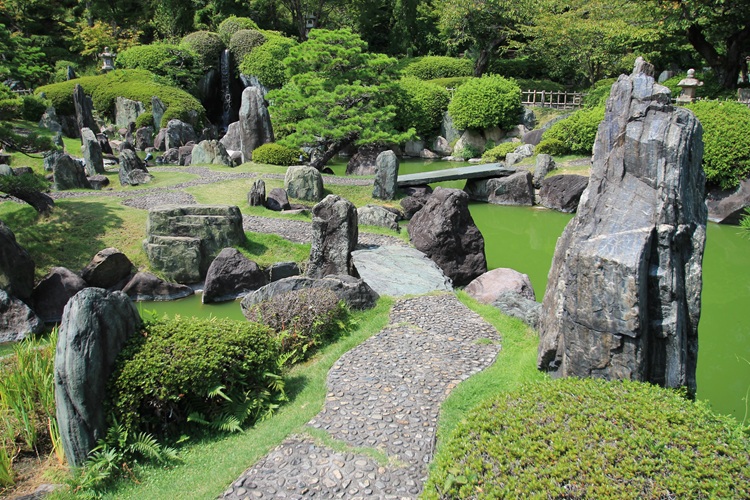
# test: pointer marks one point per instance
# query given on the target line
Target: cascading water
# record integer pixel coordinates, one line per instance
(225, 70)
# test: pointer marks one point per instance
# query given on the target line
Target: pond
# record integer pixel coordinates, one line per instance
(524, 239)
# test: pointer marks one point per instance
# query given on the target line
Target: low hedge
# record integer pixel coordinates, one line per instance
(554, 147)
(137, 85)
(588, 438)
(178, 369)
(267, 61)
(498, 152)
(177, 65)
(207, 45)
(232, 25)
(578, 131)
(431, 67)
(726, 143)
(276, 154)
(489, 101)
(422, 105)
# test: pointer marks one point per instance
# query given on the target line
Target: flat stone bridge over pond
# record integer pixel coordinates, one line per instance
(486, 171)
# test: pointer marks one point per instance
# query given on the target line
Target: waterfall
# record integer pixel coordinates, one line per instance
(225, 69)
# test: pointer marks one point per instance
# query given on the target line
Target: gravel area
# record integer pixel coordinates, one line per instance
(384, 394)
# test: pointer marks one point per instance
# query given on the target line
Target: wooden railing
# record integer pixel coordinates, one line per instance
(23, 92)
(552, 99)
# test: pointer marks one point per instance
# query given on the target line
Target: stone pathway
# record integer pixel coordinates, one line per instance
(383, 395)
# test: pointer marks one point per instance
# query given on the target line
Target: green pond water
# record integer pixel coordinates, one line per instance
(524, 239)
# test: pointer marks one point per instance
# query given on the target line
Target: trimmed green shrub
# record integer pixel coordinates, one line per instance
(431, 67)
(179, 66)
(489, 101)
(589, 438)
(275, 154)
(207, 45)
(548, 85)
(232, 25)
(421, 105)
(554, 147)
(267, 61)
(6, 93)
(468, 151)
(726, 142)
(183, 369)
(498, 152)
(519, 67)
(10, 109)
(33, 107)
(303, 320)
(243, 42)
(599, 93)
(144, 120)
(137, 85)
(451, 83)
(578, 131)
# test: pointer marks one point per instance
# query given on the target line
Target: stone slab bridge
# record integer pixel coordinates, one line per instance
(486, 171)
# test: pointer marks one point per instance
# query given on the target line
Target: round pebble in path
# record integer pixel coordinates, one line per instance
(383, 394)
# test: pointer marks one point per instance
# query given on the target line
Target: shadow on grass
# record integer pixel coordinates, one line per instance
(69, 237)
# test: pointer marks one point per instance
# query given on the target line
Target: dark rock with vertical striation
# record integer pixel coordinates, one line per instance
(93, 330)
(255, 122)
(92, 152)
(562, 192)
(68, 173)
(445, 231)
(386, 176)
(257, 195)
(335, 231)
(16, 265)
(84, 110)
(623, 296)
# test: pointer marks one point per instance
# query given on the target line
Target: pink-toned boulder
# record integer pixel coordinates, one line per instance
(489, 286)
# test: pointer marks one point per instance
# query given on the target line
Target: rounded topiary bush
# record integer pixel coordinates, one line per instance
(173, 368)
(578, 131)
(232, 25)
(33, 107)
(276, 154)
(422, 105)
(243, 42)
(498, 152)
(207, 45)
(554, 147)
(588, 438)
(179, 66)
(726, 142)
(431, 67)
(10, 109)
(490, 101)
(266, 62)
(144, 120)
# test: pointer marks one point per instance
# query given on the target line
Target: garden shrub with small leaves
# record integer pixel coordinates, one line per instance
(266, 62)
(144, 120)
(243, 42)
(421, 105)
(489, 101)
(498, 152)
(431, 67)
(207, 45)
(202, 370)
(303, 320)
(589, 438)
(276, 154)
(578, 131)
(553, 147)
(232, 25)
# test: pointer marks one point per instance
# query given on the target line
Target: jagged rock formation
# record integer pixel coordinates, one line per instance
(623, 297)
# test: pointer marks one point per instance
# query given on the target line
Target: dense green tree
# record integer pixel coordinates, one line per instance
(316, 12)
(483, 27)
(338, 95)
(719, 30)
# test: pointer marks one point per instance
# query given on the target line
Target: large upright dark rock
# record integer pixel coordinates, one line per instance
(623, 296)
(84, 110)
(93, 330)
(178, 134)
(132, 170)
(364, 161)
(92, 152)
(16, 266)
(257, 195)
(69, 174)
(445, 231)
(107, 268)
(231, 275)
(255, 122)
(516, 189)
(54, 291)
(182, 241)
(386, 176)
(562, 192)
(335, 232)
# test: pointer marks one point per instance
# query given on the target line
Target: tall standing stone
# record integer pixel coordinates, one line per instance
(255, 122)
(84, 110)
(92, 152)
(623, 296)
(157, 109)
(16, 265)
(386, 177)
(335, 232)
(93, 330)
(68, 173)
(257, 195)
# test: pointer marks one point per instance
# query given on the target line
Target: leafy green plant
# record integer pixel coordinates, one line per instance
(33, 107)
(745, 221)
(451, 83)
(540, 84)
(421, 105)
(267, 61)
(598, 94)
(711, 88)
(589, 438)
(243, 42)
(578, 131)
(177, 65)
(431, 67)
(304, 320)
(10, 109)
(498, 152)
(207, 45)
(726, 145)
(554, 147)
(232, 25)
(489, 101)
(276, 154)
(468, 151)
(144, 120)
(174, 367)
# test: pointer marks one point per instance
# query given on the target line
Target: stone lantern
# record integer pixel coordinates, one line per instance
(688, 86)
(108, 60)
